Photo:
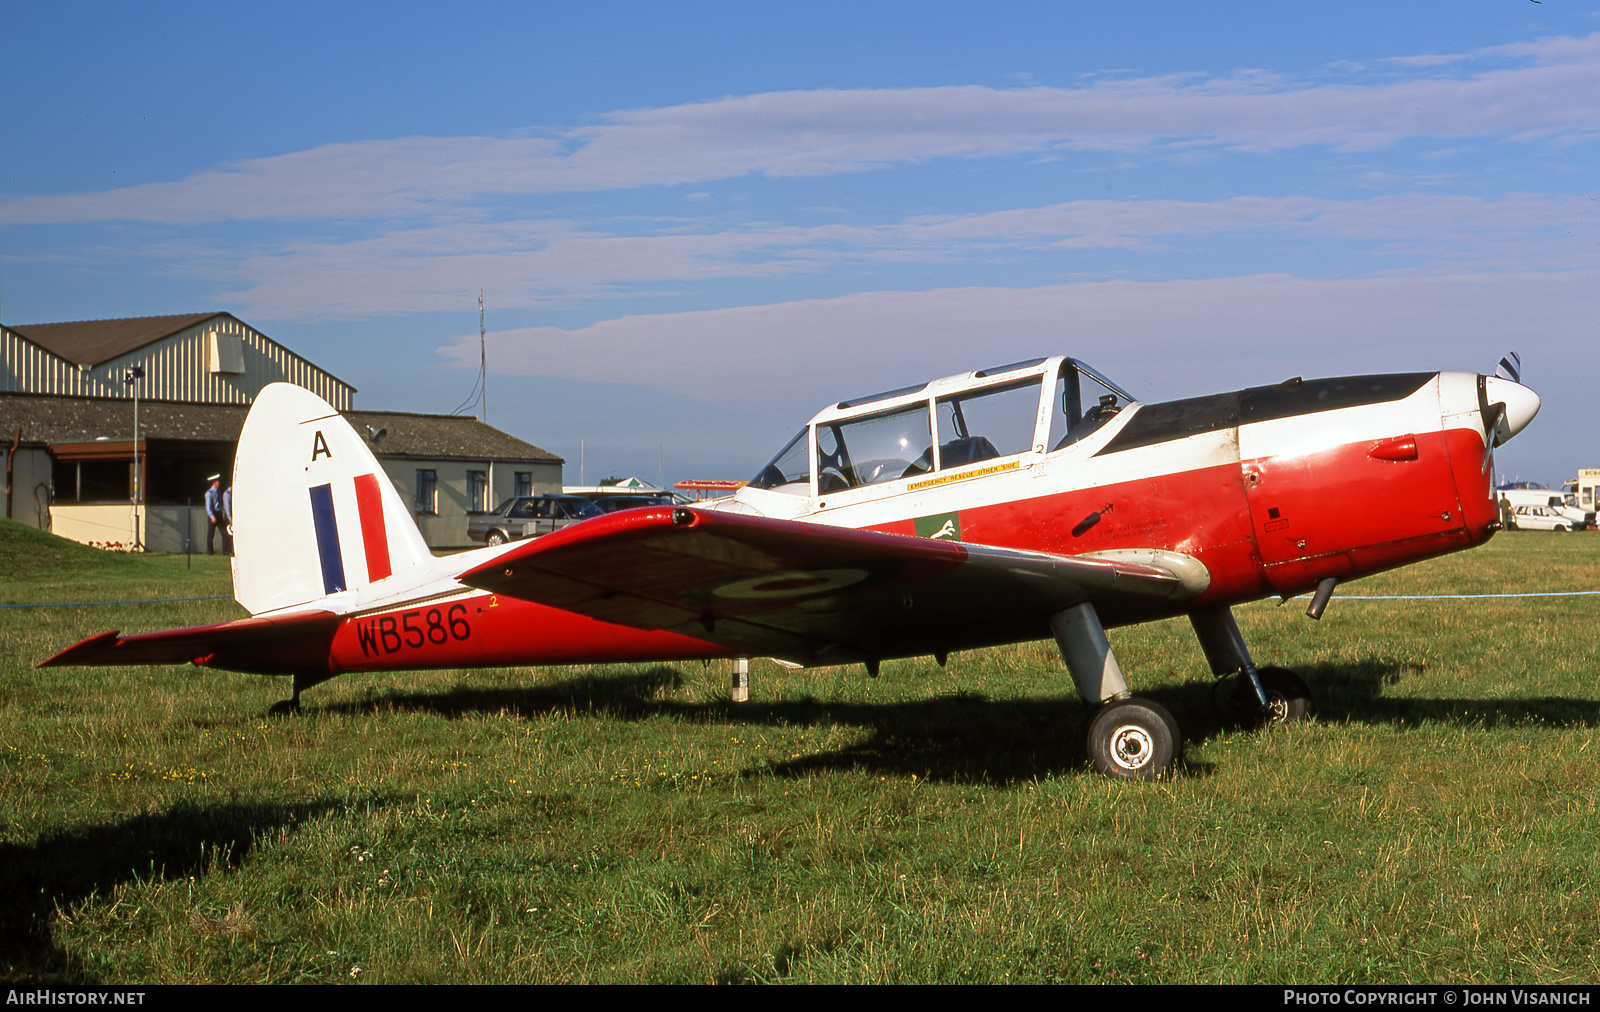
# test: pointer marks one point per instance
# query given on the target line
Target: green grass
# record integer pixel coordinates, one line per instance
(1436, 820)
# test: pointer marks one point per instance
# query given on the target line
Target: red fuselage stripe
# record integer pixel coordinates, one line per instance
(1262, 526)
(1270, 525)
(487, 630)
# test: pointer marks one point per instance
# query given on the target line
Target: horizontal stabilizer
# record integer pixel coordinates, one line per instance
(274, 646)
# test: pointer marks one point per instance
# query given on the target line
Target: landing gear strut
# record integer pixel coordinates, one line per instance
(1129, 738)
(1266, 696)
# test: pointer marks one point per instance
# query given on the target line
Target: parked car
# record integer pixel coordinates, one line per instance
(1539, 518)
(613, 503)
(1560, 503)
(529, 516)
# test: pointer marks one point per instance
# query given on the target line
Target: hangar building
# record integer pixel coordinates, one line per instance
(67, 431)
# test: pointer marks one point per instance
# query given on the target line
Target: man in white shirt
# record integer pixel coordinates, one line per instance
(217, 516)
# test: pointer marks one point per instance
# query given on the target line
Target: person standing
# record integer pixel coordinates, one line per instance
(227, 514)
(216, 517)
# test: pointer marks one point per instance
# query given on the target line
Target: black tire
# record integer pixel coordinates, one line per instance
(1133, 739)
(495, 538)
(1560, 529)
(1172, 726)
(1288, 698)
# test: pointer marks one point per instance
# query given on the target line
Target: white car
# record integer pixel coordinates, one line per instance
(1560, 503)
(1539, 518)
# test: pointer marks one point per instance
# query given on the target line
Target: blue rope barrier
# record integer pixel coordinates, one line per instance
(1454, 597)
(91, 604)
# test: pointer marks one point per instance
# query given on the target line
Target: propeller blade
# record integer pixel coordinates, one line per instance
(1497, 411)
(1512, 366)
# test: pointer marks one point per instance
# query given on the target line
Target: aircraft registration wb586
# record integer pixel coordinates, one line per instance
(1033, 500)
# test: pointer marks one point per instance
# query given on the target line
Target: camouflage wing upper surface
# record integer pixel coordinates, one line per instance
(814, 594)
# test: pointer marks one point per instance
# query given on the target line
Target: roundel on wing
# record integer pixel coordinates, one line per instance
(792, 584)
(786, 584)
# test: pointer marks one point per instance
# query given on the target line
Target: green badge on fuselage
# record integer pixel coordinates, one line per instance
(941, 527)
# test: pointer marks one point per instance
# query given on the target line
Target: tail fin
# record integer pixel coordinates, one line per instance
(314, 513)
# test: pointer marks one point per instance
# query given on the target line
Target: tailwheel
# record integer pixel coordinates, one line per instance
(1133, 739)
(1288, 698)
(302, 680)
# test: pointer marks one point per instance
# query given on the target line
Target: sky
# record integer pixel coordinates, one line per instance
(695, 224)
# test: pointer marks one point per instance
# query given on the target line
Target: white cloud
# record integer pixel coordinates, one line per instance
(525, 264)
(1556, 93)
(541, 263)
(1160, 339)
(1403, 216)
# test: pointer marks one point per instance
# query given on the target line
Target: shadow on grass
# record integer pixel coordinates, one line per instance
(1355, 692)
(67, 866)
(967, 737)
(970, 738)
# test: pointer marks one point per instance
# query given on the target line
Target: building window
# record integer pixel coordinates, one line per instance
(225, 352)
(427, 491)
(524, 483)
(477, 492)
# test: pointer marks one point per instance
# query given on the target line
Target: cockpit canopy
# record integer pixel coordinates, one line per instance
(948, 423)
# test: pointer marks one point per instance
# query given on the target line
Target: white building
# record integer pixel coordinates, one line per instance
(67, 431)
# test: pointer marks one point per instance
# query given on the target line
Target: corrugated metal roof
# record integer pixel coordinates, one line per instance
(48, 419)
(90, 342)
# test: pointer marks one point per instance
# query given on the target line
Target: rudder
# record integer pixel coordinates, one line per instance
(314, 513)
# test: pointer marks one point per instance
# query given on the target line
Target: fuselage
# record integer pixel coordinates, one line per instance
(1272, 489)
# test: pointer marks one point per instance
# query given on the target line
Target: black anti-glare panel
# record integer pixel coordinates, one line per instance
(1158, 423)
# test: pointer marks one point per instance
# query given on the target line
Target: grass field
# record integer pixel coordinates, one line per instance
(1436, 821)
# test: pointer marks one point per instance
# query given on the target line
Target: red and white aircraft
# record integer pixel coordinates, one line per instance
(1031, 500)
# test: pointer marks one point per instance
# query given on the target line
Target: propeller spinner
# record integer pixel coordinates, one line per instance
(1510, 406)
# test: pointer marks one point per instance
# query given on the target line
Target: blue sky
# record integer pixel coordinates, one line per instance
(696, 223)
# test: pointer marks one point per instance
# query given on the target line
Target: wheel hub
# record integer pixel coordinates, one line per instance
(1131, 747)
(1277, 708)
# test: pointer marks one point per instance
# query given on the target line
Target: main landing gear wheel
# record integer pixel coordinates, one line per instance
(1133, 739)
(1288, 697)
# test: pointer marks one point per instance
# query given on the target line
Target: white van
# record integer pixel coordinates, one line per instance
(1555, 511)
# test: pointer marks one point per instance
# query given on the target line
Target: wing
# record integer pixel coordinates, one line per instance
(281, 645)
(814, 594)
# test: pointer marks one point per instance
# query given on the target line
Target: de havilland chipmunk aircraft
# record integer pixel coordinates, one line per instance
(1033, 500)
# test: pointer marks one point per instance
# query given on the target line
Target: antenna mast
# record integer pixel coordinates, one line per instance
(483, 363)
